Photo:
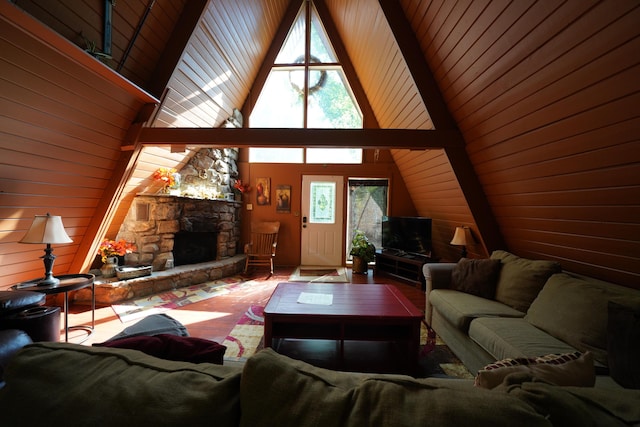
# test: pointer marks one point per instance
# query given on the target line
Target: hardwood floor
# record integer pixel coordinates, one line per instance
(214, 318)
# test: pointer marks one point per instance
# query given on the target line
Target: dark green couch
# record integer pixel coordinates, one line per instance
(73, 385)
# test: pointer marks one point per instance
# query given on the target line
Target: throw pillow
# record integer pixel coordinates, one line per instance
(623, 344)
(173, 347)
(570, 369)
(521, 279)
(476, 276)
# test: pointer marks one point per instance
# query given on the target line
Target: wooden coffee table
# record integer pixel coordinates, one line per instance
(361, 313)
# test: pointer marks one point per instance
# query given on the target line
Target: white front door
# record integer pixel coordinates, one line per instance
(322, 208)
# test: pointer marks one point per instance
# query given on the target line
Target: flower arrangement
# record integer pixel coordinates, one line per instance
(166, 176)
(243, 188)
(109, 248)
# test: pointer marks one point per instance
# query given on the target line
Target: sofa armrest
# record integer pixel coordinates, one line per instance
(437, 276)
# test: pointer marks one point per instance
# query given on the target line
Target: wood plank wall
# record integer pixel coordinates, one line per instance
(546, 95)
(64, 118)
(80, 20)
(397, 104)
(220, 62)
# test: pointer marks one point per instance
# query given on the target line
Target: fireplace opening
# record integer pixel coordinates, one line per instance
(192, 247)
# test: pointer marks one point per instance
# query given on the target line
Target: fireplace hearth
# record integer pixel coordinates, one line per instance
(172, 231)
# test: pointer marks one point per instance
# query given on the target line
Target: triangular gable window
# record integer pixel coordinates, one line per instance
(306, 87)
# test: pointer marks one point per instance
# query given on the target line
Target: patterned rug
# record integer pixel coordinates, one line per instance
(129, 311)
(319, 274)
(247, 336)
(435, 357)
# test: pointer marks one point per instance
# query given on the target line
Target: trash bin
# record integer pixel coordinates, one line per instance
(40, 323)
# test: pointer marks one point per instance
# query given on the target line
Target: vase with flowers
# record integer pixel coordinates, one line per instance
(241, 187)
(109, 251)
(169, 178)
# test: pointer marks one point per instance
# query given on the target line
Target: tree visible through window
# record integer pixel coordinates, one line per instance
(306, 89)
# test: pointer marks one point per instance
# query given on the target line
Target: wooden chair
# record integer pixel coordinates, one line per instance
(262, 247)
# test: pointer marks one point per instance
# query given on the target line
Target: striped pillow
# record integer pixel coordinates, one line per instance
(575, 369)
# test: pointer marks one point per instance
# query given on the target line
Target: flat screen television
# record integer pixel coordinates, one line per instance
(407, 234)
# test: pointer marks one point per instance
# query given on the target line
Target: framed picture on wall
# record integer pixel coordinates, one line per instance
(263, 191)
(283, 199)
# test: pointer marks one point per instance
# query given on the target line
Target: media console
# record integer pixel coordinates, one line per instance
(402, 265)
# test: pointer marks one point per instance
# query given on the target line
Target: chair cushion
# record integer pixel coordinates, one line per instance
(460, 308)
(521, 279)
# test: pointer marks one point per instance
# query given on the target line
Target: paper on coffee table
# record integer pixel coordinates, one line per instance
(313, 298)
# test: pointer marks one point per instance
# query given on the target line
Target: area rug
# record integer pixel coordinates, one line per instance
(136, 309)
(436, 359)
(319, 274)
(247, 336)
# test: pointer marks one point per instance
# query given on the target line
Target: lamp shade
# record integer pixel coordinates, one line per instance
(46, 229)
(462, 237)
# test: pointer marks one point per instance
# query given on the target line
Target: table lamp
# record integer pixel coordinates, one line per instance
(462, 237)
(47, 229)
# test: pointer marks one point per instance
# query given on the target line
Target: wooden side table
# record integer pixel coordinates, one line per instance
(68, 283)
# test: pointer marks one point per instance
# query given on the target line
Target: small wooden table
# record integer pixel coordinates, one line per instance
(68, 283)
(362, 312)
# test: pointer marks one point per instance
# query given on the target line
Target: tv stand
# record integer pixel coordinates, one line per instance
(402, 265)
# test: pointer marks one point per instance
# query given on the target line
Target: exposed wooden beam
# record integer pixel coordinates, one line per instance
(442, 119)
(418, 67)
(188, 21)
(270, 57)
(476, 199)
(369, 118)
(414, 139)
(108, 206)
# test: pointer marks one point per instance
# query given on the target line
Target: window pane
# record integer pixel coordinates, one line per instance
(367, 205)
(334, 155)
(323, 210)
(275, 155)
(279, 104)
(321, 48)
(293, 47)
(332, 105)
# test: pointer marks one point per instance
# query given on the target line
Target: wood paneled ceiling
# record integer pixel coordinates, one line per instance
(521, 116)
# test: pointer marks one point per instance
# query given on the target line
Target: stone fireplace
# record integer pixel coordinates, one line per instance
(170, 230)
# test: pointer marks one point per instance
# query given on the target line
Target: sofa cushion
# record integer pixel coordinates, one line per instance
(568, 369)
(575, 310)
(279, 391)
(476, 277)
(460, 308)
(173, 347)
(511, 338)
(521, 279)
(623, 342)
(80, 385)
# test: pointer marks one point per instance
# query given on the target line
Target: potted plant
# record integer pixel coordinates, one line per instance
(362, 251)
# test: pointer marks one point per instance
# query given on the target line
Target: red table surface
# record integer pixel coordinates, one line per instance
(349, 300)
